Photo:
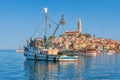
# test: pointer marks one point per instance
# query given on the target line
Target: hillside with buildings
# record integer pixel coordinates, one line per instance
(76, 40)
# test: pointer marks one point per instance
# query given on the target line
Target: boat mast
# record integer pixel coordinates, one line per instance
(46, 20)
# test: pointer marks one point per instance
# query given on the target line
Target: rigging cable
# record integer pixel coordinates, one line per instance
(40, 24)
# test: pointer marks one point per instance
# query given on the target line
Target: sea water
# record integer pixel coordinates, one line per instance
(14, 66)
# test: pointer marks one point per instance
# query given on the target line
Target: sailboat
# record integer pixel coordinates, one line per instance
(37, 48)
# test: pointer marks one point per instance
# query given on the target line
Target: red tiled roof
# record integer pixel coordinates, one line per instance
(71, 31)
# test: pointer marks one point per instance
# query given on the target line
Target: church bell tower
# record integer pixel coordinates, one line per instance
(79, 25)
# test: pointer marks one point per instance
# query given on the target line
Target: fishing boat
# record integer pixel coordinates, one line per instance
(67, 55)
(39, 48)
(32, 52)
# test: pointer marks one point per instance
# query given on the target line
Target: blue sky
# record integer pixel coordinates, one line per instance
(19, 19)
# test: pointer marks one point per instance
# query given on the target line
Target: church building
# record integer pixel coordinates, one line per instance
(76, 32)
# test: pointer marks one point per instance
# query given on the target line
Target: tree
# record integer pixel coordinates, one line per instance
(61, 35)
(50, 38)
(87, 35)
(80, 34)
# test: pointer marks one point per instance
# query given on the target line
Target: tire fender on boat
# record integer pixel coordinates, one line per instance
(35, 56)
(55, 59)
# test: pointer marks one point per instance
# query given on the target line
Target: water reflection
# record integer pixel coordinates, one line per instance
(102, 66)
(40, 70)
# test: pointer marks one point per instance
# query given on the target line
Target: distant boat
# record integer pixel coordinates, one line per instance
(19, 50)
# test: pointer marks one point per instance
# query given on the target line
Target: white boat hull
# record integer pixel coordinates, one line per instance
(40, 56)
(29, 55)
(52, 57)
(67, 58)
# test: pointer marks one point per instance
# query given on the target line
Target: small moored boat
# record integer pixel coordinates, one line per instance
(67, 55)
(110, 52)
(88, 52)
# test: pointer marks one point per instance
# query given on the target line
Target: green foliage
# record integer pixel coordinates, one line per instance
(84, 34)
(51, 37)
(61, 35)
(87, 35)
(80, 34)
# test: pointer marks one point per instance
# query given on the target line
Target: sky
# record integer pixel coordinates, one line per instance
(22, 19)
